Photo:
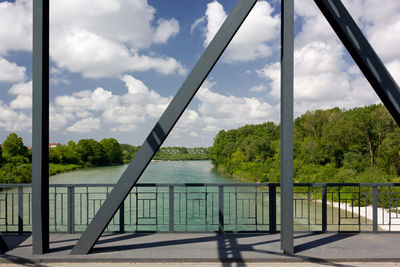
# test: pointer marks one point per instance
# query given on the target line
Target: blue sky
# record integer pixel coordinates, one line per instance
(116, 64)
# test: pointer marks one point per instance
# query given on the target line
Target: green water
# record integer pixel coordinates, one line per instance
(156, 172)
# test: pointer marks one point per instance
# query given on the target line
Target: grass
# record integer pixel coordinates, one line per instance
(60, 168)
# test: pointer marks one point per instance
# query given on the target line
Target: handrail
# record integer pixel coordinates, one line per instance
(223, 207)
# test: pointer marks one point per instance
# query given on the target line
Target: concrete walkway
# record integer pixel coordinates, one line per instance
(212, 248)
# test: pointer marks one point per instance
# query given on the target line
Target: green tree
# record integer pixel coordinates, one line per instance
(1, 157)
(13, 147)
(112, 150)
(90, 152)
(128, 152)
(10, 173)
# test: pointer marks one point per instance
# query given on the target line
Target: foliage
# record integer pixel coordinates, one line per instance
(168, 153)
(10, 173)
(112, 150)
(14, 147)
(334, 145)
(60, 168)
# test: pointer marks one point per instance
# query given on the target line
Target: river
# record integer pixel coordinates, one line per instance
(156, 172)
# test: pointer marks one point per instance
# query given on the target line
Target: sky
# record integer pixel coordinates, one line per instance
(116, 64)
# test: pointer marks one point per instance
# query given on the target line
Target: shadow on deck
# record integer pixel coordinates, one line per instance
(210, 247)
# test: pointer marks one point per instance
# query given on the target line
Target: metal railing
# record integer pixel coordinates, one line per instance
(228, 207)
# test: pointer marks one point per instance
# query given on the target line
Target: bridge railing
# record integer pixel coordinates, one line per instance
(228, 207)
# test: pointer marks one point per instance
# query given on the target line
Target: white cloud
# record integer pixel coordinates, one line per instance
(11, 120)
(258, 88)
(225, 112)
(85, 125)
(23, 92)
(386, 41)
(124, 21)
(165, 30)
(94, 38)
(15, 26)
(89, 111)
(95, 56)
(58, 120)
(11, 72)
(394, 69)
(115, 112)
(248, 44)
(21, 89)
(104, 38)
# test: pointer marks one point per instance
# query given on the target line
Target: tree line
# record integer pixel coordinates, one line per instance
(334, 145)
(168, 153)
(16, 158)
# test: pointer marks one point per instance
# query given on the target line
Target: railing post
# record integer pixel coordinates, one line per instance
(324, 208)
(122, 218)
(375, 209)
(71, 209)
(171, 208)
(20, 210)
(272, 209)
(221, 208)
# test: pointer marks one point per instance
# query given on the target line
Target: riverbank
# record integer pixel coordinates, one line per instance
(384, 216)
(62, 168)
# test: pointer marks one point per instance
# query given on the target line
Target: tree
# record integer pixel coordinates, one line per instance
(14, 149)
(128, 152)
(112, 151)
(90, 152)
(1, 157)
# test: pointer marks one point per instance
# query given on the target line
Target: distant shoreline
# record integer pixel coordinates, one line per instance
(58, 168)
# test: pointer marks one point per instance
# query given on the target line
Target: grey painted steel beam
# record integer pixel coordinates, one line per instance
(363, 54)
(287, 70)
(40, 128)
(164, 126)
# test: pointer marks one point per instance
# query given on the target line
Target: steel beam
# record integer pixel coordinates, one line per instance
(164, 126)
(363, 54)
(40, 128)
(287, 70)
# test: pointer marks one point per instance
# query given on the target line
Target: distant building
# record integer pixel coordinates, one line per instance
(54, 145)
(51, 146)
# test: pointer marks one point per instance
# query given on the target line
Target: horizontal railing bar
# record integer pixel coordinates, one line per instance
(214, 184)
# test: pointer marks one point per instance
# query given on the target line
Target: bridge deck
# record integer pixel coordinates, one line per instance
(211, 247)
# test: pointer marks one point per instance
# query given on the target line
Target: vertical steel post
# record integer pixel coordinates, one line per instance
(287, 71)
(375, 209)
(272, 209)
(171, 208)
(40, 128)
(324, 209)
(122, 218)
(71, 209)
(221, 208)
(20, 210)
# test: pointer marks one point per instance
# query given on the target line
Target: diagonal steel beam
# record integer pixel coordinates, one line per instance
(363, 54)
(164, 126)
